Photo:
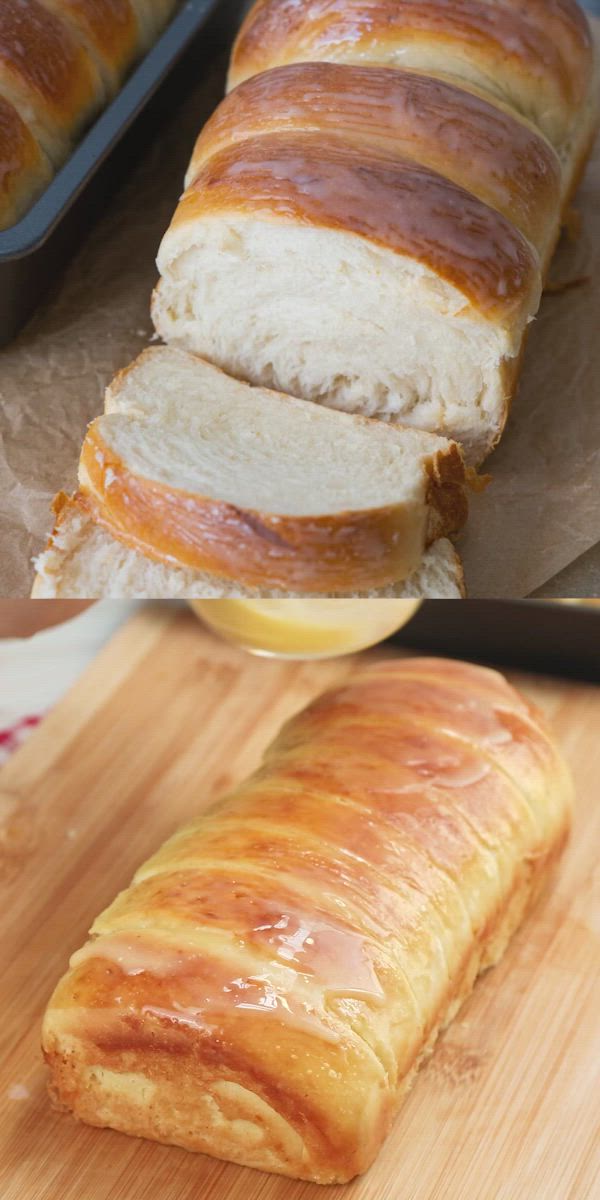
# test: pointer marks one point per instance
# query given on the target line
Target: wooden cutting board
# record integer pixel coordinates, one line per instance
(166, 718)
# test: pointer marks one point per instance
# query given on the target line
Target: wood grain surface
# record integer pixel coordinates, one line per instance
(166, 718)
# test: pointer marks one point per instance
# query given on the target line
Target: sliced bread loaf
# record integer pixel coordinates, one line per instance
(195, 468)
(82, 560)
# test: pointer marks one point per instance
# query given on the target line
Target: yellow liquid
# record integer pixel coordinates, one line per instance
(305, 628)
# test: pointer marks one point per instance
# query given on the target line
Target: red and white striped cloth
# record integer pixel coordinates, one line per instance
(15, 735)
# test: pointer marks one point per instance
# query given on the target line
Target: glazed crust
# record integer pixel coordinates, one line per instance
(46, 73)
(60, 61)
(537, 55)
(108, 31)
(392, 202)
(266, 988)
(480, 146)
(342, 552)
(24, 168)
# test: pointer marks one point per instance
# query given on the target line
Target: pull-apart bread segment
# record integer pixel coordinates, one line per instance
(84, 561)
(533, 55)
(107, 29)
(358, 278)
(47, 75)
(480, 145)
(266, 988)
(198, 469)
(24, 168)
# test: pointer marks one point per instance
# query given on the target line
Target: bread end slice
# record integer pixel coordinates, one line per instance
(83, 561)
(257, 486)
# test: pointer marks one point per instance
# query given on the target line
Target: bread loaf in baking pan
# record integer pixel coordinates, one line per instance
(60, 62)
(84, 561)
(371, 230)
(198, 469)
(266, 988)
(47, 74)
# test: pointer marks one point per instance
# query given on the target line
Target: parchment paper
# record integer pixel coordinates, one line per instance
(542, 510)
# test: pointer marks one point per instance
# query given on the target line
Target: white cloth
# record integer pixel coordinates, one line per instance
(36, 671)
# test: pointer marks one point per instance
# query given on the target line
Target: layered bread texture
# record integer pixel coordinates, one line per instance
(266, 988)
(369, 217)
(193, 467)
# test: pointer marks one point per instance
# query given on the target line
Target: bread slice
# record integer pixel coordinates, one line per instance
(193, 467)
(82, 560)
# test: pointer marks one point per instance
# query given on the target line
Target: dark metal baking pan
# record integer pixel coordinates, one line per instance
(34, 251)
(533, 635)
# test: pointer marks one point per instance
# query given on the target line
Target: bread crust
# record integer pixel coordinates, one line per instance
(107, 30)
(24, 168)
(390, 201)
(480, 146)
(46, 74)
(74, 524)
(339, 552)
(159, 1029)
(542, 51)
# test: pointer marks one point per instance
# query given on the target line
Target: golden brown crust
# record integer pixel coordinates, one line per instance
(107, 29)
(340, 552)
(545, 45)
(483, 148)
(392, 202)
(24, 168)
(266, 988)
(43, 69)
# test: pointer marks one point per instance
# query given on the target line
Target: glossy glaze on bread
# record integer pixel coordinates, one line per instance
(46, 74)
(392, 201)
(60, 61)
(478, 145)
(537, 55)
(266, 988)
(107, 29)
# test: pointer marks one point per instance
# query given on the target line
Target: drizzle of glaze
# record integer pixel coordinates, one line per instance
(549, 45)
(313, 963)
(461, 134)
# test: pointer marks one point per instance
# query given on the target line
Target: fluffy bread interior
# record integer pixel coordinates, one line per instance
(329, 317)
(180, 421)
(257, 486)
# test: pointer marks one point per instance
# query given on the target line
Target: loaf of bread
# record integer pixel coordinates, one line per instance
(372, 233)
(82, 560)
(200, 470)
(60, 62)
(266, 988)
